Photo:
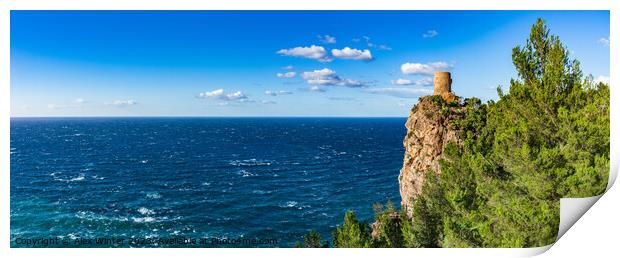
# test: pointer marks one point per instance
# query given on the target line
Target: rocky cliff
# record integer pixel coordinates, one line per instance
(428, 132)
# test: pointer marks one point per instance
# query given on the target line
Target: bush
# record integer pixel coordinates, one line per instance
(352, 234)
(387, 231)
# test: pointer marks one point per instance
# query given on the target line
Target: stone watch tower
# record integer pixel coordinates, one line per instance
(443, 86)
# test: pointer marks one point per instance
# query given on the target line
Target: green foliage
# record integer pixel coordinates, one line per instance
(426, 228)
(546, 138)
(352, 234)
(407, 231)
(388, 231)
(312, 240)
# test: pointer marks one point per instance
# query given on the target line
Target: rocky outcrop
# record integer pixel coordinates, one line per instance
(428, 132)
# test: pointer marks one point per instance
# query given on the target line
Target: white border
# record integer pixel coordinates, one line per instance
(7, 5)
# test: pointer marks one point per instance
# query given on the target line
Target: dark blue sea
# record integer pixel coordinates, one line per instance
(216, 178)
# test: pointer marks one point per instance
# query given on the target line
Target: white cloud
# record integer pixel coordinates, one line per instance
(603, 79)
(604, 42)
(327, 76)
(372, 45)
(277, 93)
(403, 82)
(122, 103)
(211, 94)
(325, 72)
(237, 95)
(288, 67)
(402, 92)
(384, 47)
(77, 103)
(352, 53)
(286, 75)
(219, 94)
(56, 106)
(312, 52)
(268, 102)
(316, 88)
(424, 69)
(430, 34)
(421, 82)
(327, 39)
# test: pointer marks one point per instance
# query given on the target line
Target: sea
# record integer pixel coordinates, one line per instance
(236, 182)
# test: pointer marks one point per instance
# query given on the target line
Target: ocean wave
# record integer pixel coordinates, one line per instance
(143, 219)
(154, 195)
(146, 218)
(245, 173)
(260, 192)
(80, 177)
(325, 147)
(89, 215)
(145, 211)
(250, 163)
(294, 204)
(149, 219)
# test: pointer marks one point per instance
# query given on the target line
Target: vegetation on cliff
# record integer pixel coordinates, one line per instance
(546, 139)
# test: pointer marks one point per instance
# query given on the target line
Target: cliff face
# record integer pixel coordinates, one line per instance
(428, 132)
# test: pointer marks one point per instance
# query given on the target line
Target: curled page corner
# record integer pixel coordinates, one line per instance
(572, 209)
(529, 252)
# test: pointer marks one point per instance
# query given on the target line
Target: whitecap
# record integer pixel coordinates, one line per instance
(145, 211)
(154, 195)
(144, 161)
(291, 203)
(250, 163)
(143, 219)
(206, 183)
(246, 173)
(77, 178)
(260, 192)
(89, 215)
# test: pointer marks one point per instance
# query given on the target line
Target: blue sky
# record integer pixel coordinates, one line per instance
(273, 63)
